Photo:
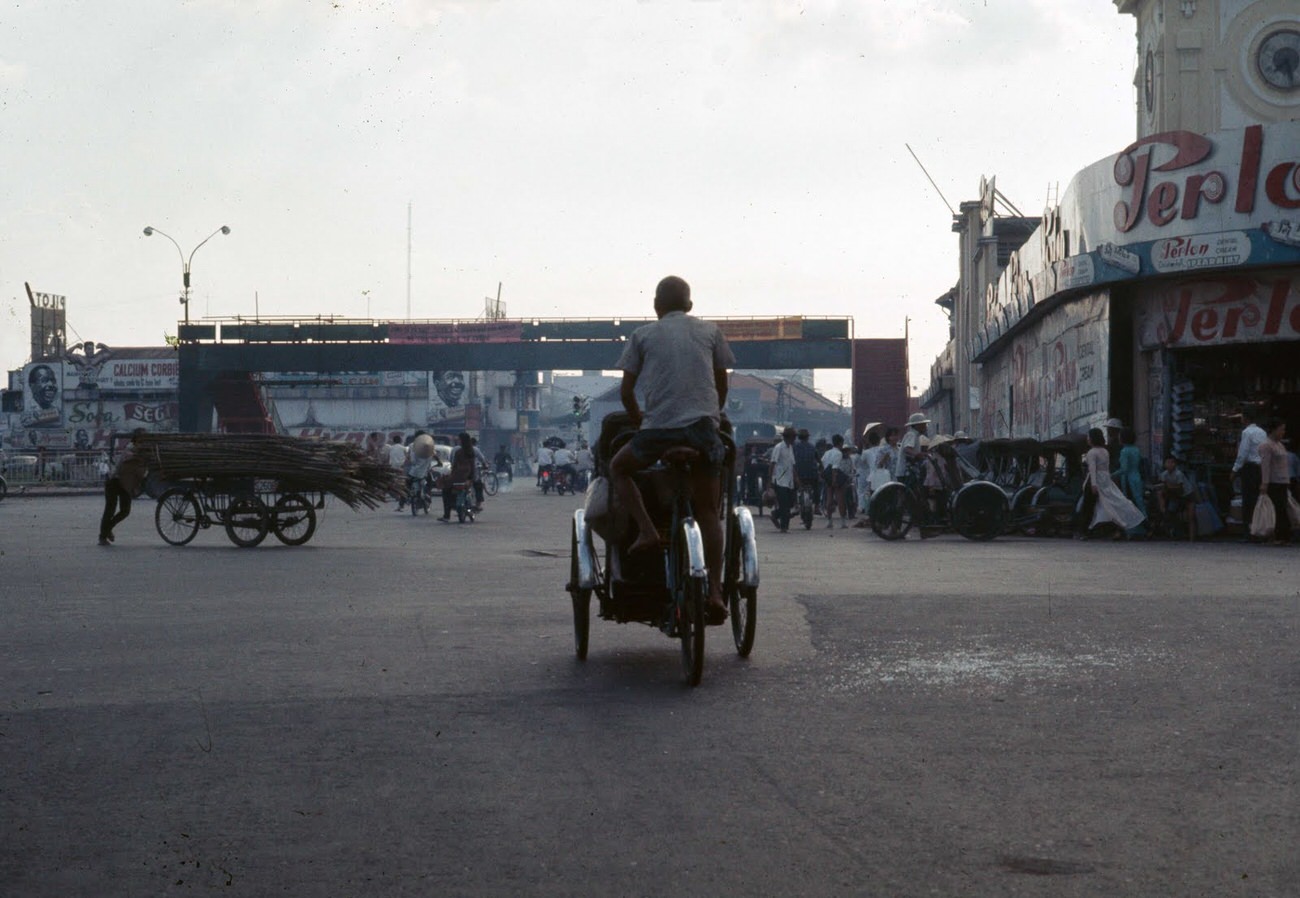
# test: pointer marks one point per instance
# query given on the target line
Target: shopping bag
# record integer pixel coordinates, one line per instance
(1208, 521)
(1263, 520)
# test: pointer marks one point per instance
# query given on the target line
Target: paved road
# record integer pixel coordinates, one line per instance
(394, 709)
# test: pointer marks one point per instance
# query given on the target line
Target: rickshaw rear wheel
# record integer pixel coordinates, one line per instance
(247, 521)
(581, 601)
(177, 516)
(744, 617)
(742, 601)
(690, 613)
(293, 520)
(892, 511)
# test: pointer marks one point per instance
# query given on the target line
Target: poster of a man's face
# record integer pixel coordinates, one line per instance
(446, 390)
(450, 386)
(41, 404)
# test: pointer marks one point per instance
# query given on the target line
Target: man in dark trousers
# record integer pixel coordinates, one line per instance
(125, 482)
(680, 363)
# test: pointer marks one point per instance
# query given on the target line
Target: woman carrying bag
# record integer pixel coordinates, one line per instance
(1274, 518)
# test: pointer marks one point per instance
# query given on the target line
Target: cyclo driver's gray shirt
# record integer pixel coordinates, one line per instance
(674, 359)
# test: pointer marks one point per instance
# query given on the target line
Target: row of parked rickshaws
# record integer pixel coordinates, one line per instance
(982, 489)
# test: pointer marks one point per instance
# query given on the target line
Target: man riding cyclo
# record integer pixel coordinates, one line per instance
(680, 365)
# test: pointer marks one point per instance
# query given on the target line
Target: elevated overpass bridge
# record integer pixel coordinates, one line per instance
(214, 353)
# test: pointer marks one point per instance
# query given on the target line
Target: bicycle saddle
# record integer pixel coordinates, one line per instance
(679, 455)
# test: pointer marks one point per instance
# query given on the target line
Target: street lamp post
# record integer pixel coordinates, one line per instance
(185, 262)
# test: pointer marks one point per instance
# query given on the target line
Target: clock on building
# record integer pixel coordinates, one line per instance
(1278, 59)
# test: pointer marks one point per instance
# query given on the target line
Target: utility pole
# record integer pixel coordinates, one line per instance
(408, 261)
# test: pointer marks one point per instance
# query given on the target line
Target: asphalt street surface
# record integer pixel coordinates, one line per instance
(395, 709)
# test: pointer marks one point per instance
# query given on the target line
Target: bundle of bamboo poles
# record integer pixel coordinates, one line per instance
(341, 469)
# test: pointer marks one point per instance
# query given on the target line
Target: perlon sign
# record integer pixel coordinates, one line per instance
(1224, 310)
(1163, 178)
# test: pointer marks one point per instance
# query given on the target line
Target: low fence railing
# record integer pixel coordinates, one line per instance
(76, 468)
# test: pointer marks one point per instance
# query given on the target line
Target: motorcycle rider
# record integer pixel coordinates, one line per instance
(463, 468)
(807, 471)
(545, 460)
(504, 463)
(565, 461)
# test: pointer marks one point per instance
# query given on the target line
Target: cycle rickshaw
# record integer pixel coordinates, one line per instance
(941, 491)
(667, 590)
(1053, 503)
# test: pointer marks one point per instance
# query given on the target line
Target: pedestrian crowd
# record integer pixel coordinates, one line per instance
(1114, 497)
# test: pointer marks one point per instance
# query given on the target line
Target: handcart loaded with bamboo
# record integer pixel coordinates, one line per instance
(253, 484)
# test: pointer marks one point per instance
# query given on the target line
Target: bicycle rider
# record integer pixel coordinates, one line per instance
(680, 365)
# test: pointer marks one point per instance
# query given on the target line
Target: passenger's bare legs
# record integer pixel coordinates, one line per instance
(621, 468)
(706, 492)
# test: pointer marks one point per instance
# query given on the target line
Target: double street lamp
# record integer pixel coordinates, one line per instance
(185, 262)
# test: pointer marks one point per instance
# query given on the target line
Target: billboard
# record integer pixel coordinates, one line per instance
(43, 395)
(49, 323)
(1054, 379)
(1171, 203)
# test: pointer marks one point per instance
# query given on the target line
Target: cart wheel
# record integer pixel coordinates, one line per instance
(690, 611)
(177, 516)
(247, 521)
(892, 511)
(979, 511)
(806, 515)
(293, 520)
(490, 483)
(581, 601)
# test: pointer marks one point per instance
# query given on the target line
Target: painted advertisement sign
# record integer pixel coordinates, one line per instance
(345, 378)
(43, 395)
(1215, 311)
(1168, 203)
(457, 332)
(1055, 377)
(446, 397)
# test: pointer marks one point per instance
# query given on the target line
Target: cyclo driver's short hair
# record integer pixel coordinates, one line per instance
(673, 295)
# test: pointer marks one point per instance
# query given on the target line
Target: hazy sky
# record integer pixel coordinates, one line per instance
(575, 152)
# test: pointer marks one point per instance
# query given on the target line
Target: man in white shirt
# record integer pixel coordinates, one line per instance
(782, 477)
(679, 363)
(565, 461)
(545, 459)
(396, 454)
(909, 447)
(1247, 464)
(836, 470)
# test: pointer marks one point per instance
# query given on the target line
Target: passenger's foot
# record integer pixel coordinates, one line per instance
(445, 518)
(716, 611)
(111, 537)
(103, 541)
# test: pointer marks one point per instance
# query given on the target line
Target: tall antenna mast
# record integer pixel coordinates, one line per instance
(408, 261)
(931, 180)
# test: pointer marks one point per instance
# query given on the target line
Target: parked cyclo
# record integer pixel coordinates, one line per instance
(940, 491)
(1051, 509)
(667, 590)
